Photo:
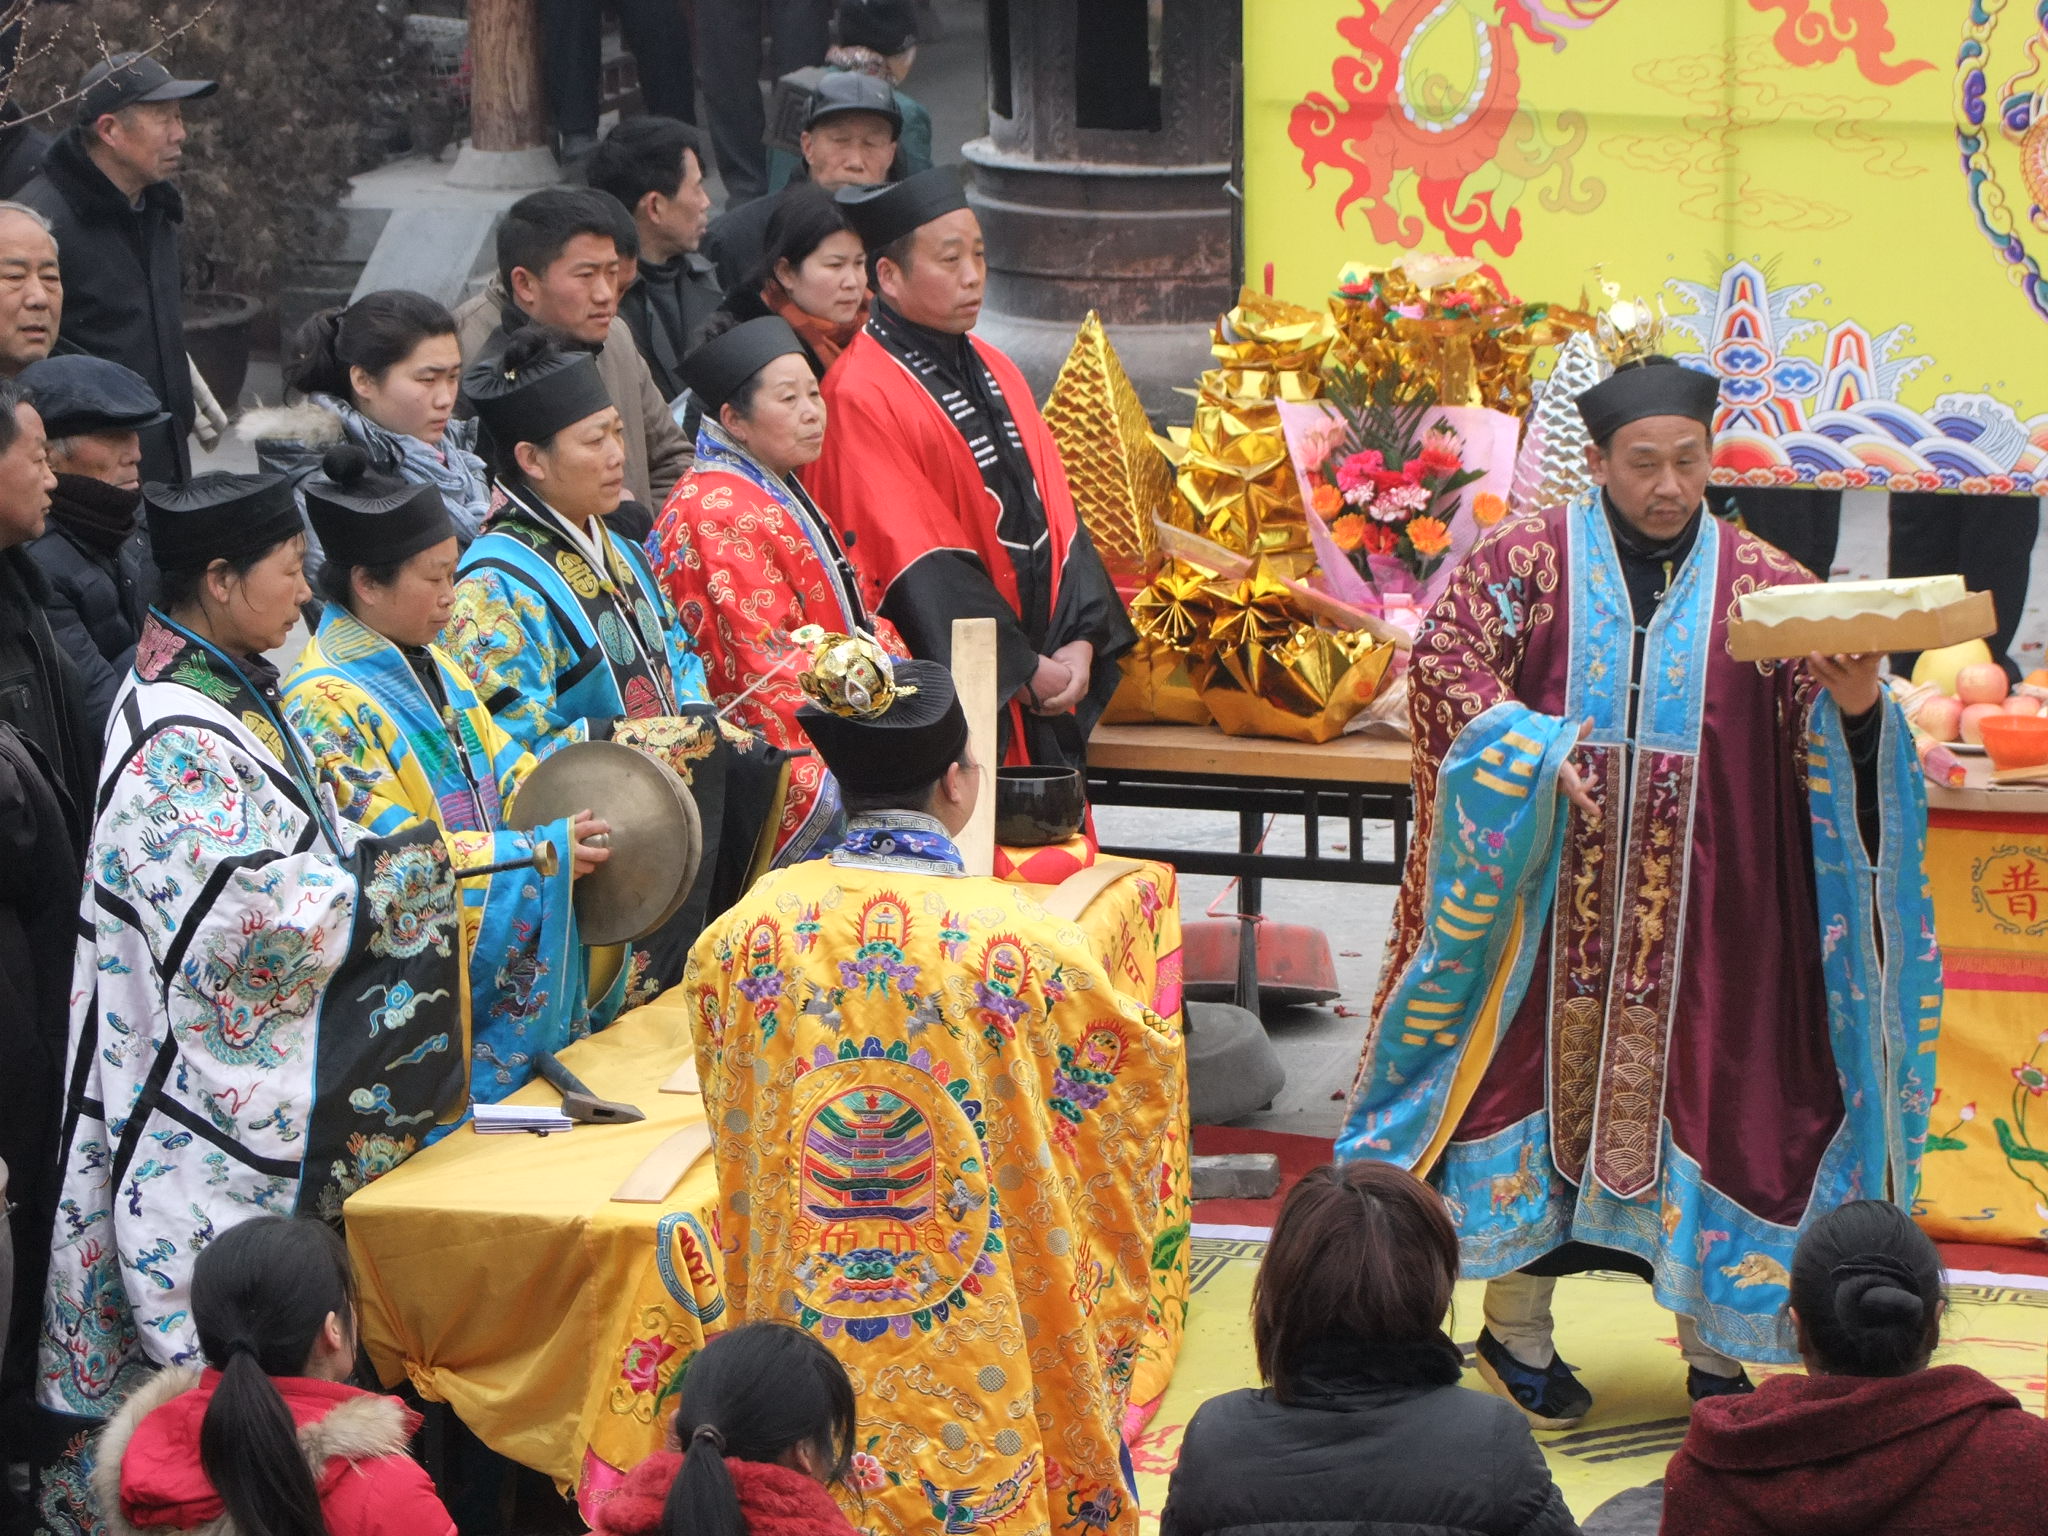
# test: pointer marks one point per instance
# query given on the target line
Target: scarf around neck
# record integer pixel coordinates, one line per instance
(826, 338)
(93, 512)
(452, 468)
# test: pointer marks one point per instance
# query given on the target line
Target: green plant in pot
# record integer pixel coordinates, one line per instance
(267, 159)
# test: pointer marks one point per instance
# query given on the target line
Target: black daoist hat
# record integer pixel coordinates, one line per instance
(1656, 386)
(883, 726)
(720, 368)
(218, 516)
(533, 388)
(367, 518)
(881, 215)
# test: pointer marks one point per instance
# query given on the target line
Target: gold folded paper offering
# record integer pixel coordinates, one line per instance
(1119, 482)
(1155, 687)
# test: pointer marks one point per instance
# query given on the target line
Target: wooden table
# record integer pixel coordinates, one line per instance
(1198, 768)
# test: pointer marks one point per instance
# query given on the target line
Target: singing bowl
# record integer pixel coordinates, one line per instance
(656, 841)
(1036, 806)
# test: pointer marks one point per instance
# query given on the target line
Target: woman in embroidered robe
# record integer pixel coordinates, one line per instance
(566, 636)
(266, 1006)
(401, 738)
(747, 558)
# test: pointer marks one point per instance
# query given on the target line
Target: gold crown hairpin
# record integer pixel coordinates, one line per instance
(850, 675)
(1628, 330)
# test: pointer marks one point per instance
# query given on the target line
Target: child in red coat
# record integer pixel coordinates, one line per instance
(267, 1438)
(1871, 1441)
(766, 1419)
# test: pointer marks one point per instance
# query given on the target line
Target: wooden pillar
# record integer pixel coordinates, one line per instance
(505, 103)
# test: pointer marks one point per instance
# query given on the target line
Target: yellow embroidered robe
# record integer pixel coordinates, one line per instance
(938, 1136)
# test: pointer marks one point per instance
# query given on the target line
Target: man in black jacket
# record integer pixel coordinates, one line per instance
(655, 166)
(48, 767)
(95, 555)
(105, 188)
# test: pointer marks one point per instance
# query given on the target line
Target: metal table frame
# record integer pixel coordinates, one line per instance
(1252, 799)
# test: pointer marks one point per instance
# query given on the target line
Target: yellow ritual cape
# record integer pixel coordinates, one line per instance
(939, 1132)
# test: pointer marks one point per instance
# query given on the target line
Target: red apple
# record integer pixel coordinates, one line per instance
(1973, 721)
(2021, 704)
(1941, 717)
(1981, 683)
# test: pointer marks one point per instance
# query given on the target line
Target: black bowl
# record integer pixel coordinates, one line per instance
(1036, 806)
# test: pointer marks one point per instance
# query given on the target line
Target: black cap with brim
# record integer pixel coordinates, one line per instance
(530, 400)
(218, 516)
(1657, 386)
(907, 747)
(882, 215)
(76, 395)
(720, 368)
(124, 79)
(366, 518)
(842, 91)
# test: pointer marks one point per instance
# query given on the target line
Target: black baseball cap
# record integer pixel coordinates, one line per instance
(123, 79)
(843, 91)
(76, 394)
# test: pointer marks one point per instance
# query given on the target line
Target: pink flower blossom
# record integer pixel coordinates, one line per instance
(641, 1366)
(1399, 501)
(1359, 469)
(1360, 495)
(1319, 442)
(866, 1473)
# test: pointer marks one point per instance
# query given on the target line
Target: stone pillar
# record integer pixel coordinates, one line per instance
(508, 145)
(1104, 181)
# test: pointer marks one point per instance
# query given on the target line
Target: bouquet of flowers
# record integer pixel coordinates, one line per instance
(1386, 484)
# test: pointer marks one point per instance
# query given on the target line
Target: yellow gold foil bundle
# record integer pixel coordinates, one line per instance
(1443, 325)
(1243, 651)
(1119, 481)
(1236, 484)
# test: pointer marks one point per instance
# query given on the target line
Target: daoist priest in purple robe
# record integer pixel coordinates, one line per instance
(1663, 983)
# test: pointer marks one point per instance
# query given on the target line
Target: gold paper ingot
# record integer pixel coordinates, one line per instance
(1156, 686)
(1236, 484)
(1105, 440)
(1315, 682)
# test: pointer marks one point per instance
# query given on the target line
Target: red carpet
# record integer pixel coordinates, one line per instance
(1298, 1154)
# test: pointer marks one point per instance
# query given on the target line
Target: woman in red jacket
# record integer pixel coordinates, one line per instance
(766, 1422)
(1871, 1441)
(267, 1439)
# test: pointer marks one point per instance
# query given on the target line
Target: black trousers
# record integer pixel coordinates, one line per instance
(1987, 540)
(655, 32)
(729, 34)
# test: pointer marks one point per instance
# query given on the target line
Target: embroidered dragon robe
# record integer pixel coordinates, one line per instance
(938, 1131)
(746, 558)
(265, 1008)
(396, 758)
(561, 651)
(1686, 1026)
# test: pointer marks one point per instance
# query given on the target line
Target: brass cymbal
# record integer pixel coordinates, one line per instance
(656, 841)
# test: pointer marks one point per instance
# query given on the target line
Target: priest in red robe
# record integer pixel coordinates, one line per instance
(946, 486)
(1663, 984)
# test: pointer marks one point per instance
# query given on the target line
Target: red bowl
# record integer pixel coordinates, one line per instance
(2015, 741)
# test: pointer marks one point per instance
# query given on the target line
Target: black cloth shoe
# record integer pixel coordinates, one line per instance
(1700, 1385)
(1551, 1397)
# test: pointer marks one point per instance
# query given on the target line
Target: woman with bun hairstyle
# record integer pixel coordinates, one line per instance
(766, 1424)
(402, 739)
(268, 1437)
(1874, 1439)
(274, 1009)
(382, 374)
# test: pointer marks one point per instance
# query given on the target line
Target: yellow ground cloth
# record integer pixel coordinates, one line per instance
(1984, 1177)
(1622, 1342)
(500, 1277)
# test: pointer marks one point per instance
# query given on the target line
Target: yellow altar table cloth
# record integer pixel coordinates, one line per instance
(1984, 1176)
(498, 1275)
